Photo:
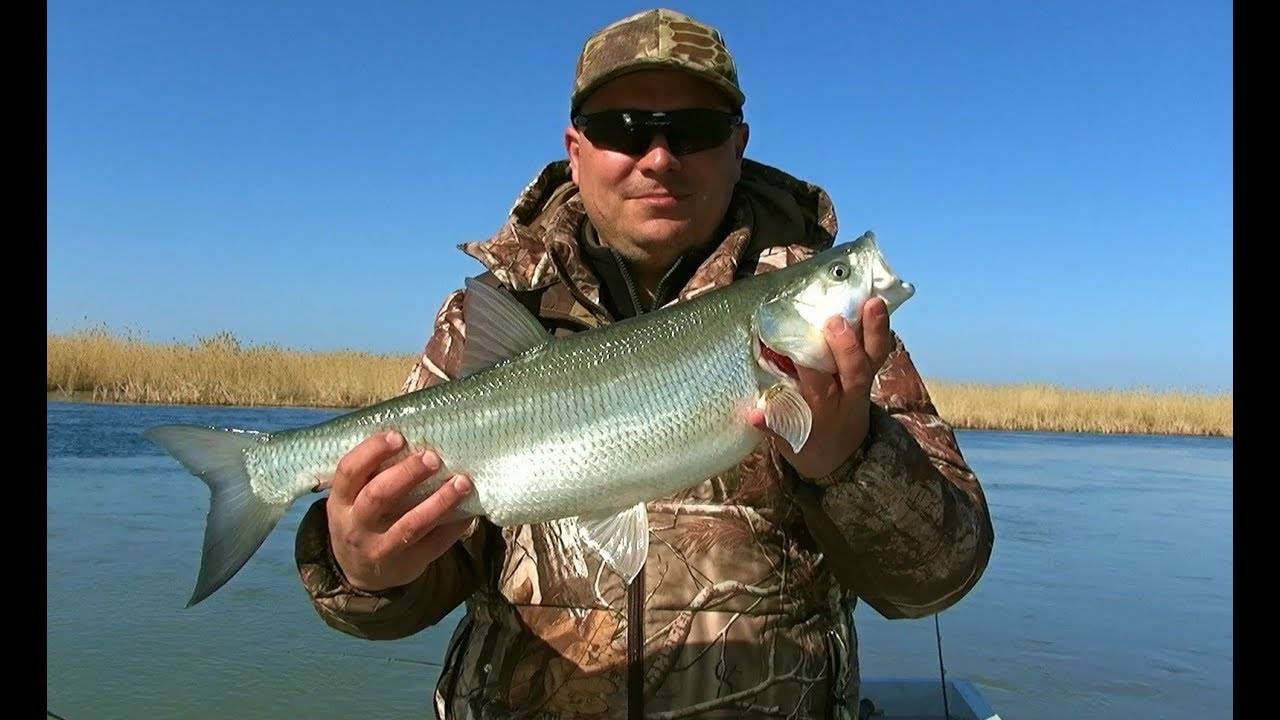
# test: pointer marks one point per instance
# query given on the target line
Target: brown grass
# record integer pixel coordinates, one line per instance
(217, 370)
(108, 366)
(1058, 409)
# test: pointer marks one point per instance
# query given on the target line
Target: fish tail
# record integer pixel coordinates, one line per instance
(239, 520)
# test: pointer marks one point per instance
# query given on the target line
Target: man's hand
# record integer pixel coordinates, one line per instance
(841, 403)
(380, 538)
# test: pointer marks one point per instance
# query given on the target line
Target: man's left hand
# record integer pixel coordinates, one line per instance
(840, 403)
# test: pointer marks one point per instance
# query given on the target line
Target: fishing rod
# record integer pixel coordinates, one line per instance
(942, 671)
(429, 663)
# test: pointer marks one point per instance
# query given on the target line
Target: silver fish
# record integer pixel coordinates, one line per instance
(589, 426)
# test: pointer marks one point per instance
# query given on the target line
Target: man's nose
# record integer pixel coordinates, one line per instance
(659, 158)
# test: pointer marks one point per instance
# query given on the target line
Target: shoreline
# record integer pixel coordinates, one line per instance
(86, 397)
(99, 366)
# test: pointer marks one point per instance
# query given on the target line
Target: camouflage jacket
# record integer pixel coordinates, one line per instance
(744, 607)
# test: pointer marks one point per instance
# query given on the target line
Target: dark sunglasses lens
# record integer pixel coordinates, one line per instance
(686, 131)
(695, 130)
(613, 132)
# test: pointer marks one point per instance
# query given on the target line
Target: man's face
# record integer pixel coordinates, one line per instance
(655, 206)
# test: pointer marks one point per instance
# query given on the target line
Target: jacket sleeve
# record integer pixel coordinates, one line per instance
(904, 522)
(400, 611)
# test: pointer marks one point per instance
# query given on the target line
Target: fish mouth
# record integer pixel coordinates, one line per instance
(774, 362)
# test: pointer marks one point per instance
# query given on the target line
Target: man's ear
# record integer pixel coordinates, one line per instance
(572, 147)
(740, 140)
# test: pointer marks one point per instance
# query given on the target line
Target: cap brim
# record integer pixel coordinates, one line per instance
(735, 96)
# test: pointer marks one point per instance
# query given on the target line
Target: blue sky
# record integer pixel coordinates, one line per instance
(1055, 177)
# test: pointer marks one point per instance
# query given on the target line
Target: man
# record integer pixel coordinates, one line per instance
(744, 607)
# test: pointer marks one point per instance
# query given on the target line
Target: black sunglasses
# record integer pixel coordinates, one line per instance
(632, 131)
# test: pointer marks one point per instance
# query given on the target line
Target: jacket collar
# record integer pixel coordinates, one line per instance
(774, 220)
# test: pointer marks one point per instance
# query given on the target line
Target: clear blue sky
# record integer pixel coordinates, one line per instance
(1056, 177)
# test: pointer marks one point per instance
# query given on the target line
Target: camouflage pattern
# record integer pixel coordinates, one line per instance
(752, 576)
(655, 39)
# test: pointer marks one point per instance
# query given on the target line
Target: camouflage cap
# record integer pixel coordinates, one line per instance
(656, 38)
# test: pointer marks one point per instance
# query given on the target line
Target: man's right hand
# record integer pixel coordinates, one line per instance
(380, 537)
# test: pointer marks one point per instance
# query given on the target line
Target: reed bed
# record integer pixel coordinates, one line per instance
(107, 366)
(1038, 407)
(216, 370)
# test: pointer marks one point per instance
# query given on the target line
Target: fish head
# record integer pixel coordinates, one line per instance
(838, 281)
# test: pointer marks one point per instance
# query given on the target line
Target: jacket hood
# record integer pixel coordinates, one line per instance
(537, 246)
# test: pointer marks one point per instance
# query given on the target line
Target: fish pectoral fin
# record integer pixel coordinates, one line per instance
(620, 538)
(498, 328)
(787, 414)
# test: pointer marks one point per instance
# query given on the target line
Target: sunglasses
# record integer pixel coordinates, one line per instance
(632, 131)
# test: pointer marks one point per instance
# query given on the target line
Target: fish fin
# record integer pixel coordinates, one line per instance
(787, 414)
(620, 538)
(498, 328)
(238, 521)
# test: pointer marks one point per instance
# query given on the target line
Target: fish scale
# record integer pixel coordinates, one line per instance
(590, 426)
(529, 434)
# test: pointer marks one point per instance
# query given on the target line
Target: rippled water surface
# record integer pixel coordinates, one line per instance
(1109, 592)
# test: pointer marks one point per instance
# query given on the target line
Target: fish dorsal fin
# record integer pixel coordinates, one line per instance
(787, 414)
(620, 538)
(498, 328)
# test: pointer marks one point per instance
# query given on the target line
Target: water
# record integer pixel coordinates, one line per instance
(1109, 592)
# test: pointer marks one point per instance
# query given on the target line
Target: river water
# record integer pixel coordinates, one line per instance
(1109, 593)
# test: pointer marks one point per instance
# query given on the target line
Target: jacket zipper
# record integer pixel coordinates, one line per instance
(635, 648)
(631, 286)
(635, 591)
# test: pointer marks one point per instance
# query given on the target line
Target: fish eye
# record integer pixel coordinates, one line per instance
(839, 271)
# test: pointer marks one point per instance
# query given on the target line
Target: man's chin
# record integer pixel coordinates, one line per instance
(662, 232)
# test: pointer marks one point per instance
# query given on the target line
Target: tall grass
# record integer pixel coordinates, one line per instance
(108, 366)
(215, 370)
(1057, 409)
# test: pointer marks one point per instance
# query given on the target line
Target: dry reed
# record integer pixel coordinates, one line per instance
(1041, 407)
(107, 366)
(216, 370)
